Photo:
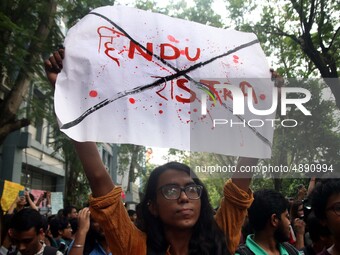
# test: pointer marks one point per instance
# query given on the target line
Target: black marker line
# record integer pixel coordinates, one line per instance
(151, 85)
(160, 81)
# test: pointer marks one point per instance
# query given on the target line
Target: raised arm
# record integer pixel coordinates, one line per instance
(311, 185)
(77, 247)
(99, 179)
(13, 205)
(241, 178)
(235, 202)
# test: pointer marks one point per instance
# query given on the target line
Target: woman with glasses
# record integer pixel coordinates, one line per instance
(325, 199)
(177, 217)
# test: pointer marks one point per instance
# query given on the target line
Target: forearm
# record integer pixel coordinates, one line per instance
(300, 242)
(12, 207)
(78, 244)
(311, 185)
(241, 179)
(32, 205)
(99, 179)
(40, 199)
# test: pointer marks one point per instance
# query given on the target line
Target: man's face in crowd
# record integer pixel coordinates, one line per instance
(282, 233)
(27, 242)
(73, 214)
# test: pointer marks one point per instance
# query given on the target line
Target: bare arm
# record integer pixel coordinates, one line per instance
(83, 227)
(13, 205)
(40, 199)
(31, 203)
(311, 185)
(243, 180)
(99, 178)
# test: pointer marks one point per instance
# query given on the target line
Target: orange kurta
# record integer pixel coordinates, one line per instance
(124, 238)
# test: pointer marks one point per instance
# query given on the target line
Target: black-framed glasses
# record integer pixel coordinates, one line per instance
(335, 208)
(173, 191)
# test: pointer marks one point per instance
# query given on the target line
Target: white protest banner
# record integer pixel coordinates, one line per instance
(132, 76)
(56, 202)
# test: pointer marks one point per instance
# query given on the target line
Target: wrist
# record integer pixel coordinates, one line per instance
(78, 245)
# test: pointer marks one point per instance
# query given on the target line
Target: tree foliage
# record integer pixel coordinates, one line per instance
(25, 27)
(303, 35)
(131, 160)
(29, 31)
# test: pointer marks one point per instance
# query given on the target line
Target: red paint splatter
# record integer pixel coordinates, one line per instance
(236, 58)
(195, 110)
(132, 100)
(160, 112)
(189, 112)
(180, 110)
(160, 104)
(172, 39)
(93, 93)
(262, 96)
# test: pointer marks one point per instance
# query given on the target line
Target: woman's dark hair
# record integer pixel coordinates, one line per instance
(207, 238)
(315, 229)
(31, 197)
(321, 193)
(266, 203)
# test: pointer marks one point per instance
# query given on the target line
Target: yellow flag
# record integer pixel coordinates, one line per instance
(9, 194)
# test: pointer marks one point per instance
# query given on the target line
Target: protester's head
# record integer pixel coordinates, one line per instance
(132, 214)
(320, 235)
(61, 228)
(269, 212)
(176, 199)
(26, 231)
(74, 225)
(70, 212)
(22, 201)
(296, 210)
(325, 200)
(94, 235)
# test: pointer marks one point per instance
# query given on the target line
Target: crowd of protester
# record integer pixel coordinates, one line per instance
(308, 225)
(175, 216)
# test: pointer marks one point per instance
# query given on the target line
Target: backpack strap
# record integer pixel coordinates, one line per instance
(244, 250)
(290, 248)
(49, 250)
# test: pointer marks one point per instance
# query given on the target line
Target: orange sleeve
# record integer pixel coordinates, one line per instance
(121, 234)
(232, 212)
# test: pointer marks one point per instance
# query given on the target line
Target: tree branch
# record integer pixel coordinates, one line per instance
(333, 38)
(16, 96)
(12, 126)
(298, 9)
(320, 28)
(311, 15)
(280, 32)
